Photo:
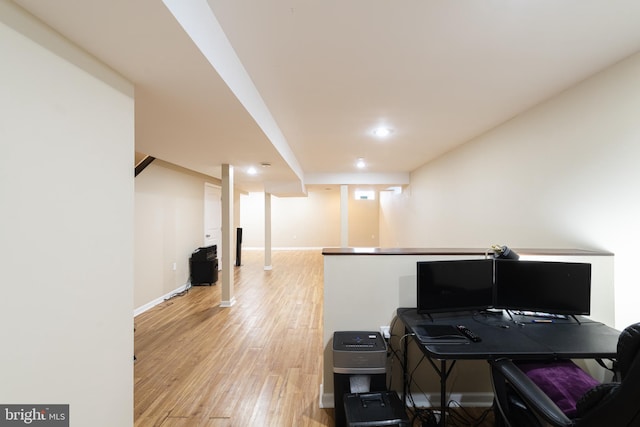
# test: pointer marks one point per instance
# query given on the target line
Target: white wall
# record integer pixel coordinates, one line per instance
(363, 220)
(66, 185)
(563, 174)
(169, 226)
(312, 221)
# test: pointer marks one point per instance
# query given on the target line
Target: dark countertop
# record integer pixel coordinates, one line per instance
(459, 251)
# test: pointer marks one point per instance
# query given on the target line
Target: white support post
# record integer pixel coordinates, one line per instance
(344, 216)
(267, 231)
(227, 298)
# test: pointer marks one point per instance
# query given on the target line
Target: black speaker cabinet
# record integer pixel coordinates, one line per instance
(204, 272)
(238, 247)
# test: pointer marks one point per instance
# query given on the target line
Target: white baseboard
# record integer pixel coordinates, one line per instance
(467, 400)
(159, 300)
(326, 400)
(226, 304)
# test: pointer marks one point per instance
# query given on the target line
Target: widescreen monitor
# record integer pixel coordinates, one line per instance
(449, 286)
(549, 287)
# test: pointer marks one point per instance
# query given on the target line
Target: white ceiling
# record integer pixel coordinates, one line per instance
(305, 81)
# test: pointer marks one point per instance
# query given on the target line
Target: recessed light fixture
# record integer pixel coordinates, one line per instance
(360, 163)
(382, 132)
(265, 164)
(252, 170)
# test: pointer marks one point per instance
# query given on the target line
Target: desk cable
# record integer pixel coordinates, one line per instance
(426, 415)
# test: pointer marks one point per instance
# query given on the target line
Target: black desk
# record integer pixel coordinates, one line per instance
(512, 337)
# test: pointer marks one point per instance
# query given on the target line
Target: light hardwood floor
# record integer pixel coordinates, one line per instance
(258, 363)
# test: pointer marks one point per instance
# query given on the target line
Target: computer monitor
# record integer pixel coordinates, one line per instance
(549, 287)
(449, 286)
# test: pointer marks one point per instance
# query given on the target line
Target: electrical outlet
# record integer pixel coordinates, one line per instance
(385, 331)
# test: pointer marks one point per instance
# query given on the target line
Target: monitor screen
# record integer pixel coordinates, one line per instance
(549, 287)
(448, 286)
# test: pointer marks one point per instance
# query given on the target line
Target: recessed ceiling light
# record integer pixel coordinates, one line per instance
(382, 132)
(360, 163)
(252, 170)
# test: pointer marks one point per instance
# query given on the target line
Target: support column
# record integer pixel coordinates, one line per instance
(227, 298)
(344, 216)
(267, 231)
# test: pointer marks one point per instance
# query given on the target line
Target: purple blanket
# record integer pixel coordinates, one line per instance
(562, 380)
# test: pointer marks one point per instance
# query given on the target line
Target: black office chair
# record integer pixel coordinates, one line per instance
(520, 402)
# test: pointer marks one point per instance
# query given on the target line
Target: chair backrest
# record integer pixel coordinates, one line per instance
(628, 349)
(617, 405)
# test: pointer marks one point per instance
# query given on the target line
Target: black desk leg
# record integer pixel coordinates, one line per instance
(443, 372)
(443, 392)
(405, 368)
